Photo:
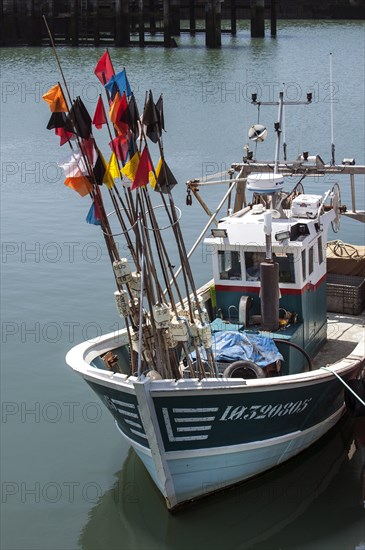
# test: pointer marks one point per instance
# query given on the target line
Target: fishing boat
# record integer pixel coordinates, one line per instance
(212, 386)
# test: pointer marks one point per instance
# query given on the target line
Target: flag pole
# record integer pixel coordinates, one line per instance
(185, 266)
(57, 58)
(111, 246)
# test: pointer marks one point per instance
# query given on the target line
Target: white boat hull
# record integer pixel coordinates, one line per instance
(197, 474)
(198, 437)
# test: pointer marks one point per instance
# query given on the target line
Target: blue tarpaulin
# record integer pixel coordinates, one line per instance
(237, 346)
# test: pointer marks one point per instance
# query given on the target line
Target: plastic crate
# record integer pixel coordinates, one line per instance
(345, 294)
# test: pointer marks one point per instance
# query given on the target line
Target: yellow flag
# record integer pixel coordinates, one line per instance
(112, 171)
(152, 178)
(130, 169)
(55, 99)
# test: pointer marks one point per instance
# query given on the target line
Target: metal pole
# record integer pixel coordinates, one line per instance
(140, 319)
(353, 200)
(278, 131)
(331, 104)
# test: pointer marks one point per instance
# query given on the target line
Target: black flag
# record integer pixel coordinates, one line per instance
(151, 119)
(57, 120)
(165, 179)
(78, 120)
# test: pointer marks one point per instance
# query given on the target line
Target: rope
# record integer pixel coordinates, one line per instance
(342, 249)
(344, 383)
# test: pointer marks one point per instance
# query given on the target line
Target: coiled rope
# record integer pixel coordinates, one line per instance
(344, 250)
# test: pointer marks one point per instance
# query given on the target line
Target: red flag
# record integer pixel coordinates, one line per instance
(88, 150)
(119, 146)
(63, 134)
(104, 68)
(144, 167)
(97, 211)
(99, 115)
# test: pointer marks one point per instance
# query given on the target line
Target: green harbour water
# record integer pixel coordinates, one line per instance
(68, 481)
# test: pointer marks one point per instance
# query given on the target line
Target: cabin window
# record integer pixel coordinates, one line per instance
(311, 260)
(253, 261)
(286, 266)
(320, 250)
(304, 265)
(229, 265)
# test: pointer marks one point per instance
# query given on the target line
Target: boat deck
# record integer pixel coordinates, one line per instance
(344, 332)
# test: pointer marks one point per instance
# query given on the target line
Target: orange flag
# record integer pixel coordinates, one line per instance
(114, 107)
(81, 185)
(55, 99)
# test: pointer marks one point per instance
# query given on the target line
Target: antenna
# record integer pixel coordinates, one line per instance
(278, 125)
(284, 134)
(331, 103)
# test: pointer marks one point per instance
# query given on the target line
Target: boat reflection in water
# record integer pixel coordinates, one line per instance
(316, 497)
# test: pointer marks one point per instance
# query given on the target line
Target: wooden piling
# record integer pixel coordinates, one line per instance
(49, 12)
(32, 23)
(273, 17)
(122, 31)
(79, 21)
(152, 17)
(175, 17)
(74, 23)
(141, 22)
(257, 18)
(233, 17)
(95, 16)
(166, 24)
(192, 17)
(2, 33)
(213, 36)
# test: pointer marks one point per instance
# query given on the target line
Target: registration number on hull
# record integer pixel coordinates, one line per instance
(260, 412)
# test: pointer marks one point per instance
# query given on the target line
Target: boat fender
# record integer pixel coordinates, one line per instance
(244, 369)
(353, 405)
(244, 310)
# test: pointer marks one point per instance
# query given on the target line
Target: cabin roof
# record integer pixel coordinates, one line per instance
(246, 228)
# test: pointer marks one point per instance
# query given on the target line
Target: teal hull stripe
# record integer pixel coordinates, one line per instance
(123, 406)
(246, 417)
(203, 422)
